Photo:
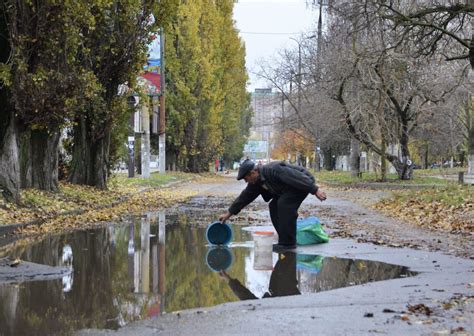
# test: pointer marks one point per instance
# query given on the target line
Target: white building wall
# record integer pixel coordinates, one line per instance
(369, 161)
(267, 112)
(342, 163)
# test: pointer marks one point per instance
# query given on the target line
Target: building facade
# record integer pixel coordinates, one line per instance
(268, 112)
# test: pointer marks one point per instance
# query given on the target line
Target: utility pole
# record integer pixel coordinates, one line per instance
(162, 128)
(145, 143)
(132, 102)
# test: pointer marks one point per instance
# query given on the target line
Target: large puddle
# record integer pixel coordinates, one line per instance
(158, 264)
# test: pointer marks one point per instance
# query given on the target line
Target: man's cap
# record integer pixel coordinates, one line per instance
(245, 168)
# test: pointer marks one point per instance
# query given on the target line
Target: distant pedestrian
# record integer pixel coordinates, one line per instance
(222, 164)
(217, 165)
(285, 186)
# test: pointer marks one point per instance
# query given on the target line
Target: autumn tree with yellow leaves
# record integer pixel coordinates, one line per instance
(293, 141)
(207, 104)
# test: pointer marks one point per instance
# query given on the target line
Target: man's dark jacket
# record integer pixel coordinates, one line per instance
(276, 178)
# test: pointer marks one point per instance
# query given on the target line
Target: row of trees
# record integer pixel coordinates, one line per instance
(208, 107)
(61, 66)
(384, 73)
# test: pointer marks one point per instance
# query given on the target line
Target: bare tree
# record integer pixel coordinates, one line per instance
(382, 83)
(308, 110)
(385, 88)
(432, 28)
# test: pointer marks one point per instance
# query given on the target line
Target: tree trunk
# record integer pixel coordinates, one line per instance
(171, 158)
(381, 108)
(138, 154)
(25, 158)
(383, 160)
(9, 166)
(406, 171)
(355, 157)
(40, 166)
(90, 156)
(470, 140)
(426, 158)
(80, 154)
(45, 147)
(101, 161)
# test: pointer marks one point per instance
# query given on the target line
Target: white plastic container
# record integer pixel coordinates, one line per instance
(263, 246)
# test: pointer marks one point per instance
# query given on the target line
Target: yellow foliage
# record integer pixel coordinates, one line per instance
(292, 141)
(77, 207)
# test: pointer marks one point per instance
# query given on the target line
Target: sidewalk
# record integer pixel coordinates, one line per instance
(468, 179)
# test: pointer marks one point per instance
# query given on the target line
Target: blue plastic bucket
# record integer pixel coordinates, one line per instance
(219, 258)
(218, 233)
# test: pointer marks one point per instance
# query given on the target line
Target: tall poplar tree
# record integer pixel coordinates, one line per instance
(236, 113)
(207, 106)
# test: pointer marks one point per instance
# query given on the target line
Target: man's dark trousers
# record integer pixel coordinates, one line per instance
(284, 213)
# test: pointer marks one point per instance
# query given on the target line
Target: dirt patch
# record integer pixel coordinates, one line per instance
(351, 216)
(349, 213)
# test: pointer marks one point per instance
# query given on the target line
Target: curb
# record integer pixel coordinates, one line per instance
(383, 186)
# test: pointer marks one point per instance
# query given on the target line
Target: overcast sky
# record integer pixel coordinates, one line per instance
(266, 27)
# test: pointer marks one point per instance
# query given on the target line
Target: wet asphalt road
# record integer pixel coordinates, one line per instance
(438, 301)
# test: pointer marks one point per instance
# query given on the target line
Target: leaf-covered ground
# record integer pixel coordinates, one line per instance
(450, 209)
(81, 206)
(432, 199)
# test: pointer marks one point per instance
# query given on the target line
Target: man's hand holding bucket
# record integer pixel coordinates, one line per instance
(224, 217)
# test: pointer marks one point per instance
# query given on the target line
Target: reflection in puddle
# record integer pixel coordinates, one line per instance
(283, 280)
(123, 273)
(294, 274)
(219, 259)
(66, 260)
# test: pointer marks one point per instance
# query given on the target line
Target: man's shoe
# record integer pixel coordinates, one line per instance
(283, 248)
